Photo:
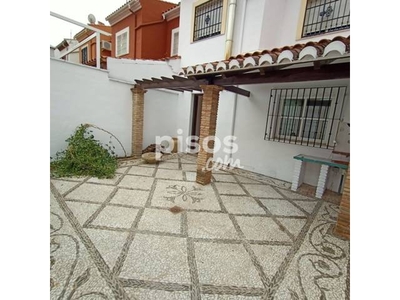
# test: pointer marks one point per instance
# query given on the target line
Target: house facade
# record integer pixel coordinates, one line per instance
(273, 119)
(144, 29)
(64, 46)
(87, 51)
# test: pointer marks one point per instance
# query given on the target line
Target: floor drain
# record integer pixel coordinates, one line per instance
(176, 209)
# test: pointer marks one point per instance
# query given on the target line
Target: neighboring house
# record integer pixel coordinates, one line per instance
(64, 46)
(87, 52)
(52, 50)
(284, 67)
(145, 29)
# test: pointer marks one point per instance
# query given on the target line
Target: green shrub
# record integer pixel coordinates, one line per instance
(84, 156)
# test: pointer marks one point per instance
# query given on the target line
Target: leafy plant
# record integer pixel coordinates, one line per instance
(85, 156)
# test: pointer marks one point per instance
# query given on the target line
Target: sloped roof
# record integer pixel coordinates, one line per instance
(338, 46)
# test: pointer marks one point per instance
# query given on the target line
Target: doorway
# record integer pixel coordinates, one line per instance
(196, 117)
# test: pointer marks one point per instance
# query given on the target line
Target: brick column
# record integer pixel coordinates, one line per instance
(137, 120)
(342, 227)
(208, 125)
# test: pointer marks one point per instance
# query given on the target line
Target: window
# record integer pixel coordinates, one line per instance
(322, 16)
(122, 42)
(84, 55)
(208, 19)
(174, 41)
(305, 116)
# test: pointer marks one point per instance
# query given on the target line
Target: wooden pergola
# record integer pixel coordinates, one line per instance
(314, 61)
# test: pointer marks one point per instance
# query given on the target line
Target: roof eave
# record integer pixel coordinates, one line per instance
(172, 14)
(123, 12)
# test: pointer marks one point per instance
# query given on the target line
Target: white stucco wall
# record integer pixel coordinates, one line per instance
(259, 24)
(160, 106)
(273, 158)
(81, 94)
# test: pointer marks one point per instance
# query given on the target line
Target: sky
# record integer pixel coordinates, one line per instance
(79, 10)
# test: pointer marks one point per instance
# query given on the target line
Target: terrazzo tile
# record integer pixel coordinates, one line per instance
(261, 229)
(136, 182)
(224, 178)
(210, 225)
(147, 294)
(229, 188)
(188, 195)
(294, 226)
(228, 297)
(160, 220)
(308, 206)
(189, 167)
(157, 258)
(108, 243)
(241, 205)
(117, 217)
(63, 186)
(121, 170)
(225, 264)
(246, 180)
(169, 174)
(82, 211)
(105, 180)
(281, 207)
(293, 195)
(141, 171)
(270, 257)
(262, 191)
(169, 165)
(191, 176)
(130, 197)
(91, 192)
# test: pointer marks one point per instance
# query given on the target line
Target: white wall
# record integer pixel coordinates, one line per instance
(259, 24)
(160, 106)
(81, 94)
(273, 158)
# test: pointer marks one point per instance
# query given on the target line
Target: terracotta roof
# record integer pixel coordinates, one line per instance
(338, 46)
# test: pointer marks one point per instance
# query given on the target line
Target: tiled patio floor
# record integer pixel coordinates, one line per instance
(245, 236)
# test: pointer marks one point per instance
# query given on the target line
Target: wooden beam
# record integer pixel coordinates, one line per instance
(326, 72)
(237, 90)
(185, 83)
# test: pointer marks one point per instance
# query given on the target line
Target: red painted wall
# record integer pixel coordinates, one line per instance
(172, 24)
(148, 31)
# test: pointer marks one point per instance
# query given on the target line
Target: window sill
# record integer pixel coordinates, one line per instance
(309, 38)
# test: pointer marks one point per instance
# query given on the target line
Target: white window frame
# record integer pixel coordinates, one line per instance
(173, 41)
(119, 33)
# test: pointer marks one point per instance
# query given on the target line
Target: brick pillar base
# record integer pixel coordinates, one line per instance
(342, 227)
(137, 120)
(208, 126)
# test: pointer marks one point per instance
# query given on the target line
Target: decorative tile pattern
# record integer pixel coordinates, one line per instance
(160, 220)
(225, 265)
(210, 225)
(261, 229)
(130, 197)
(136, 182)
(262, 191)
(246, 236)
(116, 217)
(157, 258)
(229, 188)
(242, 205)
(91, 192)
